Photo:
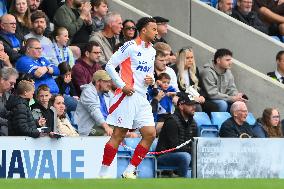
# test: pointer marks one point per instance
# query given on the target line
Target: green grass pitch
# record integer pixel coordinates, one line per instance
(165, 183)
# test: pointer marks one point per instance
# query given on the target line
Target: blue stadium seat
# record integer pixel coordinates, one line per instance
(250, 119)
(218, 118)
(205, 127)
(123, 159)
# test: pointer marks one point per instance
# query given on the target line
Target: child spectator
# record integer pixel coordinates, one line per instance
(66, 87)
(21, 121)
(162, 109)
(99, 8)
(41, 110)
(61, 52)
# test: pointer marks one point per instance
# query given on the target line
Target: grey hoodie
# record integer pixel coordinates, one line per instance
(88, 111)
(217, 85)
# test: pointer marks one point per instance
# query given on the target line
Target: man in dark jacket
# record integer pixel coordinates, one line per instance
(243, 12)
(177, 129)
(236, 126)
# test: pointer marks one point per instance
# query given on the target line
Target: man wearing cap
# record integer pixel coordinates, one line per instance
(177, 129)
(91, 107)
(162, 26)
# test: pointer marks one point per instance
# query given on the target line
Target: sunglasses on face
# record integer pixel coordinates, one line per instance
(130, 28)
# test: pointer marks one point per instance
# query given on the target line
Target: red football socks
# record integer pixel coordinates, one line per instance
(139, 154)
(109, 154)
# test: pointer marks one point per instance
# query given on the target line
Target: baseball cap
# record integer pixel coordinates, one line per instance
(101, 75)
(186, 99)
(160, 19)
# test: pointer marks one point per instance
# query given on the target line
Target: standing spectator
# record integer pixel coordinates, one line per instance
(100, 8)
(39, 19)
(243, 12)
(33, 63)
(21, 121)
(19, 8)
(4, 58)
(278, 74)
(269, 125)
(41, 110)
(236, 126)
(225, 6)
(11, 40)
(66, 87)
(179, 128)
(8, 78)
(128, 31)
(88, 113)
(162, 24)
(61, 52)
(218, 81)
(108, 38)
(82, 72)
(63, 125)
(75, 16)
(188, 75)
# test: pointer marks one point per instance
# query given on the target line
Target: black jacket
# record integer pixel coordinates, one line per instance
(64, 86)
(175, 132)
(8, 48)
(38, 110)
(251, 19)
(20, 119)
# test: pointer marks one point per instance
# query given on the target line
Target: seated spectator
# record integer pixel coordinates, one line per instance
(82, 72)
(39, 19)
(269, 125)
(11, 40)
(4, 58)
(99, 8)
(108, 38)
(218, 81)
(167, 50)
(236, 126)
(225, 6)
(272, 13)
(41, 69)
(34, 5)
(20, 120)
(75, 16)
(278, 74)
(41, 110)
(179, 128)
(66, 87)
(188, 76)
(63, 125)
(160, 64)
(92, 109)
(19, 8)
(165, 105)
(8, 78)
(128, 31)
(162, 27)
(243, 12)
(61, 52)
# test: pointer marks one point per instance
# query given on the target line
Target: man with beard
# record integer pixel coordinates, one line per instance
(178, 128)
(34, 5)
(75, 16)
(39, 19)
(226, 6)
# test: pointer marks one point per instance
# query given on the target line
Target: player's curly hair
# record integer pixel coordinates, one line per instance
(143, 22)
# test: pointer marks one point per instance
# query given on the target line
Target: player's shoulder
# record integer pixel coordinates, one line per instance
(127, 45)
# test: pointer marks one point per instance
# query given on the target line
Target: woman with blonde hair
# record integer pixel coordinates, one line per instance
(269, 125)
(19, 8)
(188, 75)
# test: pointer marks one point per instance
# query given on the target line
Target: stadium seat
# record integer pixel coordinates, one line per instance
(205, 127)
(123, 159)
(218, 118)
(250, 119)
